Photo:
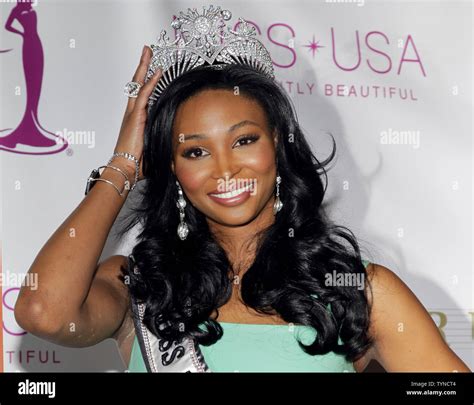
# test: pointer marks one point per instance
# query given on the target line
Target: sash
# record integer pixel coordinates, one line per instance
(161, 355)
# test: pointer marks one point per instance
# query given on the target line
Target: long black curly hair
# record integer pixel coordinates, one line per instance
(182, 283)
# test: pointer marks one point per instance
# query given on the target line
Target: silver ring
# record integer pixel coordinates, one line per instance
(132, 88)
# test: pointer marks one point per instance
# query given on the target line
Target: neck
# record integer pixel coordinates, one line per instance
(239, 242)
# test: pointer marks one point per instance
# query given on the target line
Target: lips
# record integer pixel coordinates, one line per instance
(232, 198)
(230, 194)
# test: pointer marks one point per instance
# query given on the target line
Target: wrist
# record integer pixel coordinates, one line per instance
(125, 165)
(121, 169)
(130, 163)
(116, 177)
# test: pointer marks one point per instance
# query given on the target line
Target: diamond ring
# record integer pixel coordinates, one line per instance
(132, 88)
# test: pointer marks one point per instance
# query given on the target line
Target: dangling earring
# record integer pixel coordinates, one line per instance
(183, 229)
(277, 205)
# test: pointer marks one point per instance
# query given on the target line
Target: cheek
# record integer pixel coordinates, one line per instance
(260, 159)
(191, 179)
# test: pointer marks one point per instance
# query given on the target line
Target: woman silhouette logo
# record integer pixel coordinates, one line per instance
(29, 135)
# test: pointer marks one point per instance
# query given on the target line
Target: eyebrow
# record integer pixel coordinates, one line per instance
(231, 129)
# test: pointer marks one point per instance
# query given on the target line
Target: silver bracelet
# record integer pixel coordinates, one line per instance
(95, 176)
(112, 184)
(128, 156)
(127, 181)
(126, 185)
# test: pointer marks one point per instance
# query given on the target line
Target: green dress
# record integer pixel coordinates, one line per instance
(260, 348)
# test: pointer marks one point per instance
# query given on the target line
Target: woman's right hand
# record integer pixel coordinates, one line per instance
(133, 125)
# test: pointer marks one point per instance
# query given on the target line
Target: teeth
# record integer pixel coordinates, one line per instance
(233, 193)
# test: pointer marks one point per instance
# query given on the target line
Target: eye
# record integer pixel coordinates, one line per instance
(197, 152)
(247, 139)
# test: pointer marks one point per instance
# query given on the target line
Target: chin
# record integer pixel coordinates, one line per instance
(233, 216)
(237, 221)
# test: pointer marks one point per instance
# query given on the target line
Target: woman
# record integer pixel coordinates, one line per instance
(246, 275)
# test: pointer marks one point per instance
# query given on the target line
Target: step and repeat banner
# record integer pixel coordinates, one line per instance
(390, 80)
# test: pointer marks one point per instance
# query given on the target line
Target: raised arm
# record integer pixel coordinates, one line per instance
(79, 302)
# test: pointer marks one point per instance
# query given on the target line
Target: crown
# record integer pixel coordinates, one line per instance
(201, 39)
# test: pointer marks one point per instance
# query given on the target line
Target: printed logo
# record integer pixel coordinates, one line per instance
(29, 137)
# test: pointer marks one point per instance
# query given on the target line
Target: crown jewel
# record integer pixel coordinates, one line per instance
(201, 39)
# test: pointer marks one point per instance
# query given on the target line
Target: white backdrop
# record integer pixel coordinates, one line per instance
(391, 80)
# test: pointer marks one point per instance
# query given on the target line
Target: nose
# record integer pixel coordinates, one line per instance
(225, 166)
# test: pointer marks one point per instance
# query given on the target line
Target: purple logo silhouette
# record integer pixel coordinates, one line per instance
(29, 137)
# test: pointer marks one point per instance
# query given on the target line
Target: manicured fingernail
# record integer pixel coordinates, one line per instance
(144, 50)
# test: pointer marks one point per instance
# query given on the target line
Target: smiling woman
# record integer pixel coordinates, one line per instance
(237, 266)
(252, 258)
(238, 145)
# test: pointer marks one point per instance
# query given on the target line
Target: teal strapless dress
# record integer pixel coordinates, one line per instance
(260, 348)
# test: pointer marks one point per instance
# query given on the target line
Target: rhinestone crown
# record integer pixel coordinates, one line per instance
(200, 39)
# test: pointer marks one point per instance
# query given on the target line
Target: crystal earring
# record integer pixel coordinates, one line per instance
(183, 229)
(277, 205)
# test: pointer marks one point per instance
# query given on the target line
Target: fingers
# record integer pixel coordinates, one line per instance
(139, 75)
(146, 90)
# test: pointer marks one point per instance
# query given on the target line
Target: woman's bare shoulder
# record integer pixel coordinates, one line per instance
(405, 336)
